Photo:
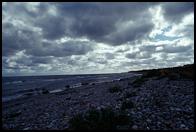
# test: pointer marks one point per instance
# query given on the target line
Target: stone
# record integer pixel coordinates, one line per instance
(148, 120)
(27, 128)
(182, 126)
(135, 127)
(68, 98)
(45, 91)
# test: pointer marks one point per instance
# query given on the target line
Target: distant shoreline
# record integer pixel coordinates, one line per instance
(99, 73)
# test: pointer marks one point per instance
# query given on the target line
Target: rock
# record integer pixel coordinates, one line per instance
(68, 98)
(182, 126)
(85, 83)
(15, 114)
(178, 109)
(135, 127)
(45, 91)
(67, 86)
(29, 94)
(172, 108)
(159, 123)
(27, 128)
(148, 120)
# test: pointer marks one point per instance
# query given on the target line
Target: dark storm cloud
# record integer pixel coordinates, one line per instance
(38, 37)
(131, 55)
(64, 49)
(139, 62)
(53, 27)
(98, 21)
(174, 12)
(176, 49)
(132, 33)
(109, 56)
(15, 39)
(138, 55)
(41, 60)
(150, 48)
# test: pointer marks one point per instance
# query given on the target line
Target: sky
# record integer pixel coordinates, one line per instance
(89, 38)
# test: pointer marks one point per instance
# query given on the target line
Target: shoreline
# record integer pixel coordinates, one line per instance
(38, 91)
(53, 111)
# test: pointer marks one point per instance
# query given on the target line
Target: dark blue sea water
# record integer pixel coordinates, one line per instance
(20, 86)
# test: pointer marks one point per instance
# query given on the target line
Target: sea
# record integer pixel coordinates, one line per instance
(21, 86)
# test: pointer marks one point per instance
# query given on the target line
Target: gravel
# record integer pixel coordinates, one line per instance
(158, 105)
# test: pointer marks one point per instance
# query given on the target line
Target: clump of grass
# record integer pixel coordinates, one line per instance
(173, 76)
(151, 73)
(187, 74)
(127, 104)
(130, 94)
(105, 118)
(14, 114)
(115, 89)
(138, 82)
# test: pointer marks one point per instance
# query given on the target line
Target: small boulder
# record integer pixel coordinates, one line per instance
(45, 91)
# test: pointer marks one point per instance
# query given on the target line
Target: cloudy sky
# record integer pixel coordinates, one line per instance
(83, 38)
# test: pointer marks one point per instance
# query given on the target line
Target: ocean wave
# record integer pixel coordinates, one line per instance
(14, 82)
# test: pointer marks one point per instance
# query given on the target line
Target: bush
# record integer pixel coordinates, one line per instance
(15, 114)
(115, 89)
(127, 104)
(173, 76)
(138, 82)
(151, 73)
(130, 94)
(187, 74)
(99, 119)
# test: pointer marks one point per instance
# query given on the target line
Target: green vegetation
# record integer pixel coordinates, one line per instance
(151, 73)
(138, 82)
(115, 89)
(127, 104)
(14, 114)
(105, 119)
(173, 73)
(130, 94)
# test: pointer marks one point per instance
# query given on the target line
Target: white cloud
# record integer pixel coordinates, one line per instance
(184, 27)
(40, 41)
(159, 22)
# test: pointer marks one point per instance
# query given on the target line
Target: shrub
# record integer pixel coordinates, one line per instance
(130, 94)
(78, 122)
(99, 119)
(115, 89)
(127, 104)
(187, 74)
(13, 115)
(138, 82)
(173, 76)
(151, 73)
